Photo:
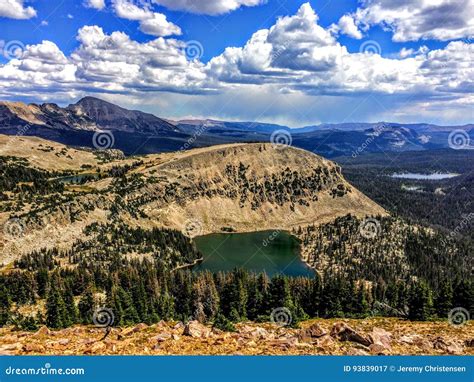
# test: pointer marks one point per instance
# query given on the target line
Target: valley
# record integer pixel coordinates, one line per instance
(191, 236)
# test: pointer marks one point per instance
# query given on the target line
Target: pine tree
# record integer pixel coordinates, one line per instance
(70, 306)
(5, 305)
(86, 306)
(420, 304)
(444, 300)
(56, 314)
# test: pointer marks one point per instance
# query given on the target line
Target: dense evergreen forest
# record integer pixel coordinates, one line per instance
(405, 270)
(150, 289)
(447, 205)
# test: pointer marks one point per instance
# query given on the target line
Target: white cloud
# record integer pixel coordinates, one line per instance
(208, 7)
(298, 55)
(279, 71)
(95, 4)
(412, 20)
(347, 26)
(15, 9)
(151, 23)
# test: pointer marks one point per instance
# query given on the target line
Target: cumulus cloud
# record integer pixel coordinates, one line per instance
(95, 4)
(15, 9)
(151, 23)
(215, 7)
(294, 60)
(412, 20)
(347, 26)
(298, 54)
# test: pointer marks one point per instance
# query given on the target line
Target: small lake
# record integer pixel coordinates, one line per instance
(78, 178)
(273, 252)
(415, 176)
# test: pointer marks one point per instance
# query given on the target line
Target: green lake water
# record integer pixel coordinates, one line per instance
(273, 252)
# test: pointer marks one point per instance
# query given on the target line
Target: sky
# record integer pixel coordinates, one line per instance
(290, 62)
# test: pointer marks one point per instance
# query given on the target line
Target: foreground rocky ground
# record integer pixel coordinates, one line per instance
(330, 336)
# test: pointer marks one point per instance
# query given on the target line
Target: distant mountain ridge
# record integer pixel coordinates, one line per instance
(88, 114)
(137, 132)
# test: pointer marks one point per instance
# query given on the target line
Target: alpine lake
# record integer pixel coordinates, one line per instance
(272, 252)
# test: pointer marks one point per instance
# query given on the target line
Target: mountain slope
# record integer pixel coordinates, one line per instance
(112, 117)
(88, 114)
(136, 132)
(240, 187)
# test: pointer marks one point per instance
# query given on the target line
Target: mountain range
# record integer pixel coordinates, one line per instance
(136, 132)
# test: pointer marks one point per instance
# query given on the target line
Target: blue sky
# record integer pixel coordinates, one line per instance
(291, 62)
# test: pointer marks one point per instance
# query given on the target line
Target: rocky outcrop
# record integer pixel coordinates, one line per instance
(196, 329)
(344, 332)
(354, 337)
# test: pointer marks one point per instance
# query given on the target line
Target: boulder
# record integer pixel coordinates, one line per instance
(96, 347)
(43, 331)
(344, 332)
(356, 351)
(259, 332)
(127, 331)
(381, 338)
(449, 347)
(196, 329)
(63, 341)
(33, 348)
(311, 333)
(10, 349)
(378, 349)
(162, 337)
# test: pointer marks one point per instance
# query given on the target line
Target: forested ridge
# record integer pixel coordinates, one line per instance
(418, 286)
(404, 270)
